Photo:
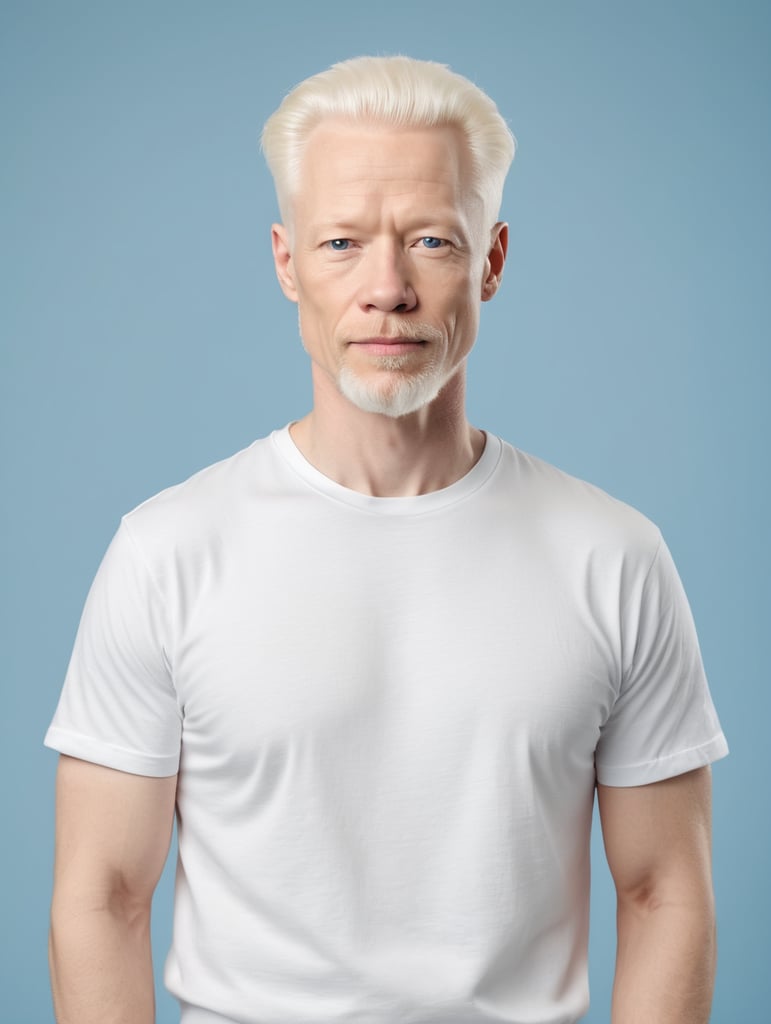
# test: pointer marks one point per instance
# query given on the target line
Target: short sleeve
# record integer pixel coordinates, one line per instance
(663, 722)
(118, 706)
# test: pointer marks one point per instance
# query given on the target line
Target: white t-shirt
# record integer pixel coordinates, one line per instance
(388, 716)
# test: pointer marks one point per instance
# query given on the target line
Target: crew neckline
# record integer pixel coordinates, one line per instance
(417, 504)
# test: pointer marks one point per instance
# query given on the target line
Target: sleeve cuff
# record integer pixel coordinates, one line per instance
(663, 767)
(135, 762)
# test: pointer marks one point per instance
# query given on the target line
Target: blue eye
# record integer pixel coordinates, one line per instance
(338, 244)
(432, 243)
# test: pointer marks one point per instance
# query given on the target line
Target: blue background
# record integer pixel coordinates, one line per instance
(144, 335)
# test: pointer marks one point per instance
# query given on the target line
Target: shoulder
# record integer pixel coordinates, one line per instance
(569, 509)
(206, 504)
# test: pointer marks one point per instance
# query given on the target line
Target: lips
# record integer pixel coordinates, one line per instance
(398, 339)
(389, 345)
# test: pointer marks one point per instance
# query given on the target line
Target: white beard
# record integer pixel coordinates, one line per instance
(400, 392)
(395, 396)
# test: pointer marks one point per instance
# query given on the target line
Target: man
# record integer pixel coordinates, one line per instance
(380, 661)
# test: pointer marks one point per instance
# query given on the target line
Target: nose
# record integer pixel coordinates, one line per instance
(385, 283)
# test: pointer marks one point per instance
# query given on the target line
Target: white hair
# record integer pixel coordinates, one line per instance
(396, 92)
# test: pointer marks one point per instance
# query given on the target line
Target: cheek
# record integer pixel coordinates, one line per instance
(460, 299)
(326, 295)
(321, 312)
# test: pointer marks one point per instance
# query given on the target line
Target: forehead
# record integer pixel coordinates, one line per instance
(344, 162)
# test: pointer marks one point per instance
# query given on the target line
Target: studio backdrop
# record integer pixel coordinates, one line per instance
(144, 336)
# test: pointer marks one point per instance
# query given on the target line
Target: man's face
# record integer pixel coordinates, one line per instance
(388, 258)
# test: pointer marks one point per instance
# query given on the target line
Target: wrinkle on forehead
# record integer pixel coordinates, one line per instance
(346, 164)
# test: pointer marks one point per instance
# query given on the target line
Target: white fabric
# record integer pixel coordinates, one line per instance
(387, 714)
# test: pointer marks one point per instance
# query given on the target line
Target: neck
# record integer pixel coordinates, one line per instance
(387, 457)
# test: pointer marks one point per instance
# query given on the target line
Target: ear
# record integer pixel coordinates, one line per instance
(496, 258)
(282, 260)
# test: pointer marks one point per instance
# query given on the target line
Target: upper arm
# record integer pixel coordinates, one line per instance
(113, 832)
(658, 837)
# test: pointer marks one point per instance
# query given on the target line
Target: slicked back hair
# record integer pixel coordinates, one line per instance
(392, 92)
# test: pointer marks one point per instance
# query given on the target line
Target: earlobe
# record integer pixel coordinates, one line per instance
(282, 260)
(496, 258)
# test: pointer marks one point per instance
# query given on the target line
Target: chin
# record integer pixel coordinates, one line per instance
(394, 398)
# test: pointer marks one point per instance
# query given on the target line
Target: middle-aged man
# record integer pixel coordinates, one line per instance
(381, 660)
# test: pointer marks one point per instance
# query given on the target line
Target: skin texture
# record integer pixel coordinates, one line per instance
(413, 262)
(658, 844)
(113, 832)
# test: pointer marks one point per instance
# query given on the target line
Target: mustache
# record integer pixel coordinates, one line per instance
(406, 330)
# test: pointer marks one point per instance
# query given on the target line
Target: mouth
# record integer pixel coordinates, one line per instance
(388, 346)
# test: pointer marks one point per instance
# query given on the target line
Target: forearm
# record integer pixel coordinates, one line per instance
(101, 966)
(665, 964)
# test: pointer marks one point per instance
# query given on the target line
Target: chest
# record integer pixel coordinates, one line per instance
(419, 637)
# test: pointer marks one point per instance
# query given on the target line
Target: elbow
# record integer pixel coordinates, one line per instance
(684, 911)
(77, 908)
(654, 895)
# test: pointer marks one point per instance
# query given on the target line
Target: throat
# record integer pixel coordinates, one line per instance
(389, 458)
